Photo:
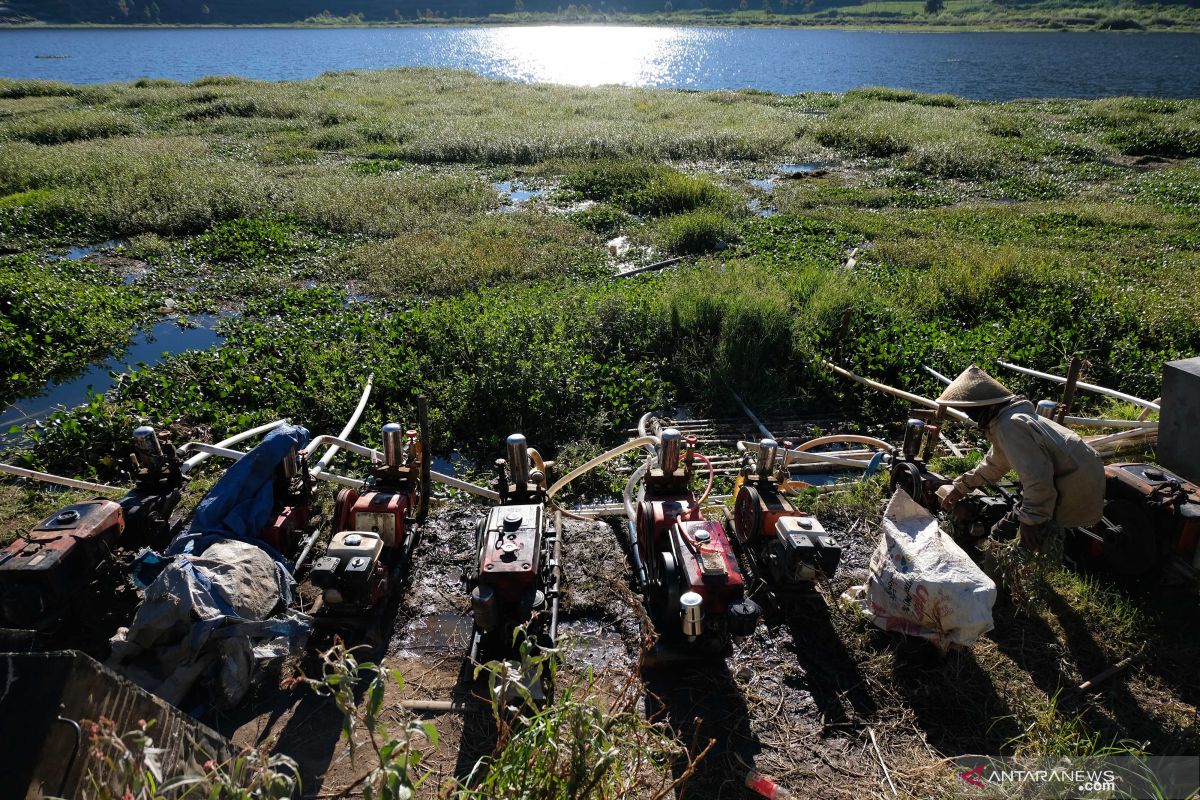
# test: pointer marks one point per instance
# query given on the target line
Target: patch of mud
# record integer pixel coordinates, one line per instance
(130, 270)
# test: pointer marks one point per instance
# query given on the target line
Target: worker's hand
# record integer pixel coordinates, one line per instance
(951, 499)
(1031, 536)
(1006, 527)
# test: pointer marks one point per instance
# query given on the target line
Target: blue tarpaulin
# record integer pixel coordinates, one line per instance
(242, 502)
(221, 603)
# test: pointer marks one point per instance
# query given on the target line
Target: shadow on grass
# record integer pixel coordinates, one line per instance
(1125, 717)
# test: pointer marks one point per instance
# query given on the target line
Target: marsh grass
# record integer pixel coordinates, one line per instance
(480, 251)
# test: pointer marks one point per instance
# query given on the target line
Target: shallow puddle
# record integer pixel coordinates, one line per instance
(761, 210)
(445, 633)
(518, 192)
(83, 251)
(798, 169)
(592, 643)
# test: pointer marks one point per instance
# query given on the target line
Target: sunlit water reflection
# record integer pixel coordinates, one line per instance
(593, 56)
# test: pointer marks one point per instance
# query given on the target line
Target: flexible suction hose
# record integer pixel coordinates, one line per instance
(844, 437)
(633, 444)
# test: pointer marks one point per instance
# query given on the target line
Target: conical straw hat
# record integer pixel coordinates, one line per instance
(974, 387)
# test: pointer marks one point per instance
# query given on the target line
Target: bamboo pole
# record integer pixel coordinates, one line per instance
(954, 413)
(46, 477)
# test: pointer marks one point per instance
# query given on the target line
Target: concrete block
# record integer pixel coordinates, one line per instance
(1179, 420)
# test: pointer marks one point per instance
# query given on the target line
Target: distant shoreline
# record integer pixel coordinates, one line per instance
(779, 22)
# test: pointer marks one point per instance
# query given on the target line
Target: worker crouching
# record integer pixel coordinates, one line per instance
(1062, 479)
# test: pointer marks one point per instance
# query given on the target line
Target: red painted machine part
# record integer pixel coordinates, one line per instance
(381, 512)
(283, 533)
(718, 591)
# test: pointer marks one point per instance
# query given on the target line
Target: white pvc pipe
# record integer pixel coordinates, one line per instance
(1104, 442)
(1112, 423)
(46, 477)
(937, 374)
(466, 487)
(340, 480)
(1086, 421)
(377, 456)
(801, 457)
(909, 396)
(217, 450)
(1090, 387)
(338, 443)
(196, 460)
(332, 451)
(746, 410)
(632, 444)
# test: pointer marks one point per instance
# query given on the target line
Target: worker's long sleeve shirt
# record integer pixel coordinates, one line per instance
(1062, 479)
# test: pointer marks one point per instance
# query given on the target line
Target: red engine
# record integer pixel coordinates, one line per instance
(384, 511)
(372, 542)
(515, 587)
(510, 551)
(706, 564)
(788, 548)
(1152, 516)
(693, 583)
(42, 573)
(39, 573)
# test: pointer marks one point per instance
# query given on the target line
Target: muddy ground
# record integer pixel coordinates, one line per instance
(788, 702)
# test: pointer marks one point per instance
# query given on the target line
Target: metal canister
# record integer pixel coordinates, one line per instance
(691, 610)
(518, 459)
(668, 452)
(485, 608)
(914, 434)
(1047, 409)
(766, 456)
(393, 444)
(148, 448)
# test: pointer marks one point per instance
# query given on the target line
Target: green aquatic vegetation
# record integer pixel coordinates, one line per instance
(250, 241)
(554, 360)
(644, 188)
(1175, 188)
(600, 218)
(69, 126)
(1148, 139)
(906, 96)
(57, 316)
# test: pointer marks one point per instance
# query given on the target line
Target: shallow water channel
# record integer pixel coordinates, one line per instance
(148, 346)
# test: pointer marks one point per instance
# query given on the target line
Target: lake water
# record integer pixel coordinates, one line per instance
(978, 65)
